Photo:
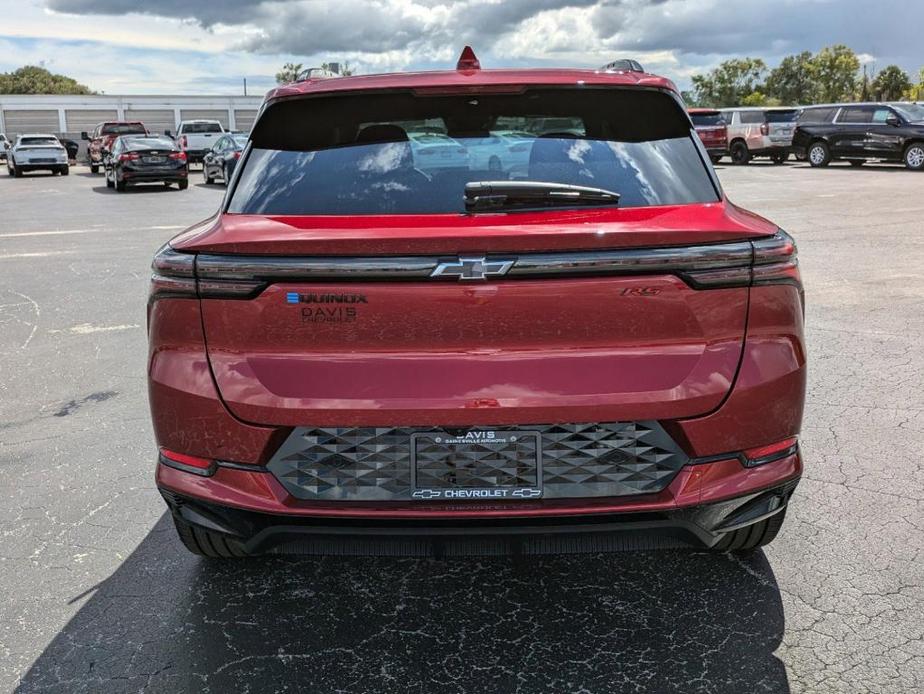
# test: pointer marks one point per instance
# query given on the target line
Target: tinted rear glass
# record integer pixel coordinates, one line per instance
(198, 128)
(818, 115)
(782, 116)
(122, 129)
(752, 117)
(39, 141)
(707, 118)
(856, 114)
(400, 153)
(148, 143)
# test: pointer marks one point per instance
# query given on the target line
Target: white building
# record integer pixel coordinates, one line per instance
(68, 116)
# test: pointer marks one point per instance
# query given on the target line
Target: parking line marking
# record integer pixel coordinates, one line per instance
(19, 234)
(9, 256)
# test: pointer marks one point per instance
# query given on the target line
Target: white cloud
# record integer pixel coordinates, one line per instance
(236, 37)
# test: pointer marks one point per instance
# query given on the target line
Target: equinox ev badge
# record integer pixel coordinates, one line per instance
(473, 268)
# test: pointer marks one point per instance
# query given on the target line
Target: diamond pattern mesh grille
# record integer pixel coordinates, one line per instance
(577, 460)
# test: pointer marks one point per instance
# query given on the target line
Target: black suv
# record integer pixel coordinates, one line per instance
(859, 132)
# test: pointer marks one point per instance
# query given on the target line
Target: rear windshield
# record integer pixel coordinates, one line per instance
(122, 129)
(404, 153)
(149, 143)
(782, 116)
(194, 128)
(39, 141)
(707, 118)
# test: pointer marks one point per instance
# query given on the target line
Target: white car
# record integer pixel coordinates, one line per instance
(436, 152)
(196, 137)
(37, 152)
(503, 151)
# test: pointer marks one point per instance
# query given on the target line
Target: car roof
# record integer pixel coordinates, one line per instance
(201, 120)
(703, 111)
(761, 108)
(120, 122)
(460, 79)
(39, 135)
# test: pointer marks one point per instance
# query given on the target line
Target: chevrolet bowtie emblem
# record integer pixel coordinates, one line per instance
(473, 268)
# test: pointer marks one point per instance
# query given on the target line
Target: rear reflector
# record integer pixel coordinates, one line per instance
(767, 454)
(187, 463)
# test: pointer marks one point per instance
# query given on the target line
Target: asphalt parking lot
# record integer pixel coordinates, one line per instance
(97, 594)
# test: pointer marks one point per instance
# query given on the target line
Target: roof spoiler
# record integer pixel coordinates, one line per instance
(623, 65)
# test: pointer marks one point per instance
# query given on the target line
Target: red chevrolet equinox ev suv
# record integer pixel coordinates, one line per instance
(475, 312)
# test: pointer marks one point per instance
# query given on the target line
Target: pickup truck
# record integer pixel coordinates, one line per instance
(196, 137)
(102, 137)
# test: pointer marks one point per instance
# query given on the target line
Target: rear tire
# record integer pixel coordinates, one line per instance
(206, 543)
(17, 171)
(109, 183)
(209, 180)
(94, 168)
(65, 170)
(779, 158)
(818, 154)
(914, 156)
(740, 154)
(750, 537)
(183, 185)
(120, 185)
(857, 163)
(715, 158)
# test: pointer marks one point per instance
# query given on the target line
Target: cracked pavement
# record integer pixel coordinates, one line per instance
(97, 594)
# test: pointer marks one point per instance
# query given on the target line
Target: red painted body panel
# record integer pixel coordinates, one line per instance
(187, 414)
(629, 227)
(693, 486)
(465, 80)
(526, 352)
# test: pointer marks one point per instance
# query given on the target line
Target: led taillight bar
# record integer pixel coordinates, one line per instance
(769, 260)
(174, 275)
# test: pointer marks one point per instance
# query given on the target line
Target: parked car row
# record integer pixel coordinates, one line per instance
(821, 134)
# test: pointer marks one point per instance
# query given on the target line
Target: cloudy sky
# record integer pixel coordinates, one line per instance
(196, 46)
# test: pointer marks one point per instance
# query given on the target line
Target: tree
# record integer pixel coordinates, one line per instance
(916, 92)
(289, 73)
(32, 79)
(730, 83)
(891, 83)
(835, 70)
(793, 80)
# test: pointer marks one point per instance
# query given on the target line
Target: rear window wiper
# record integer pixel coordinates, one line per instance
(493, 195)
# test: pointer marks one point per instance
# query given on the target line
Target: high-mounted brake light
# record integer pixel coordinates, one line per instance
(468, 60)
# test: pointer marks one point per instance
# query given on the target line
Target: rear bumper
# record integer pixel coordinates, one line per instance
(145, 177)
(704, 502)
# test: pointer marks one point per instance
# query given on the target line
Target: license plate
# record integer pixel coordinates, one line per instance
(476, 464)
(155, 160)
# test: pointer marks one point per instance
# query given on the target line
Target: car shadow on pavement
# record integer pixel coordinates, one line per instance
(653, 622)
